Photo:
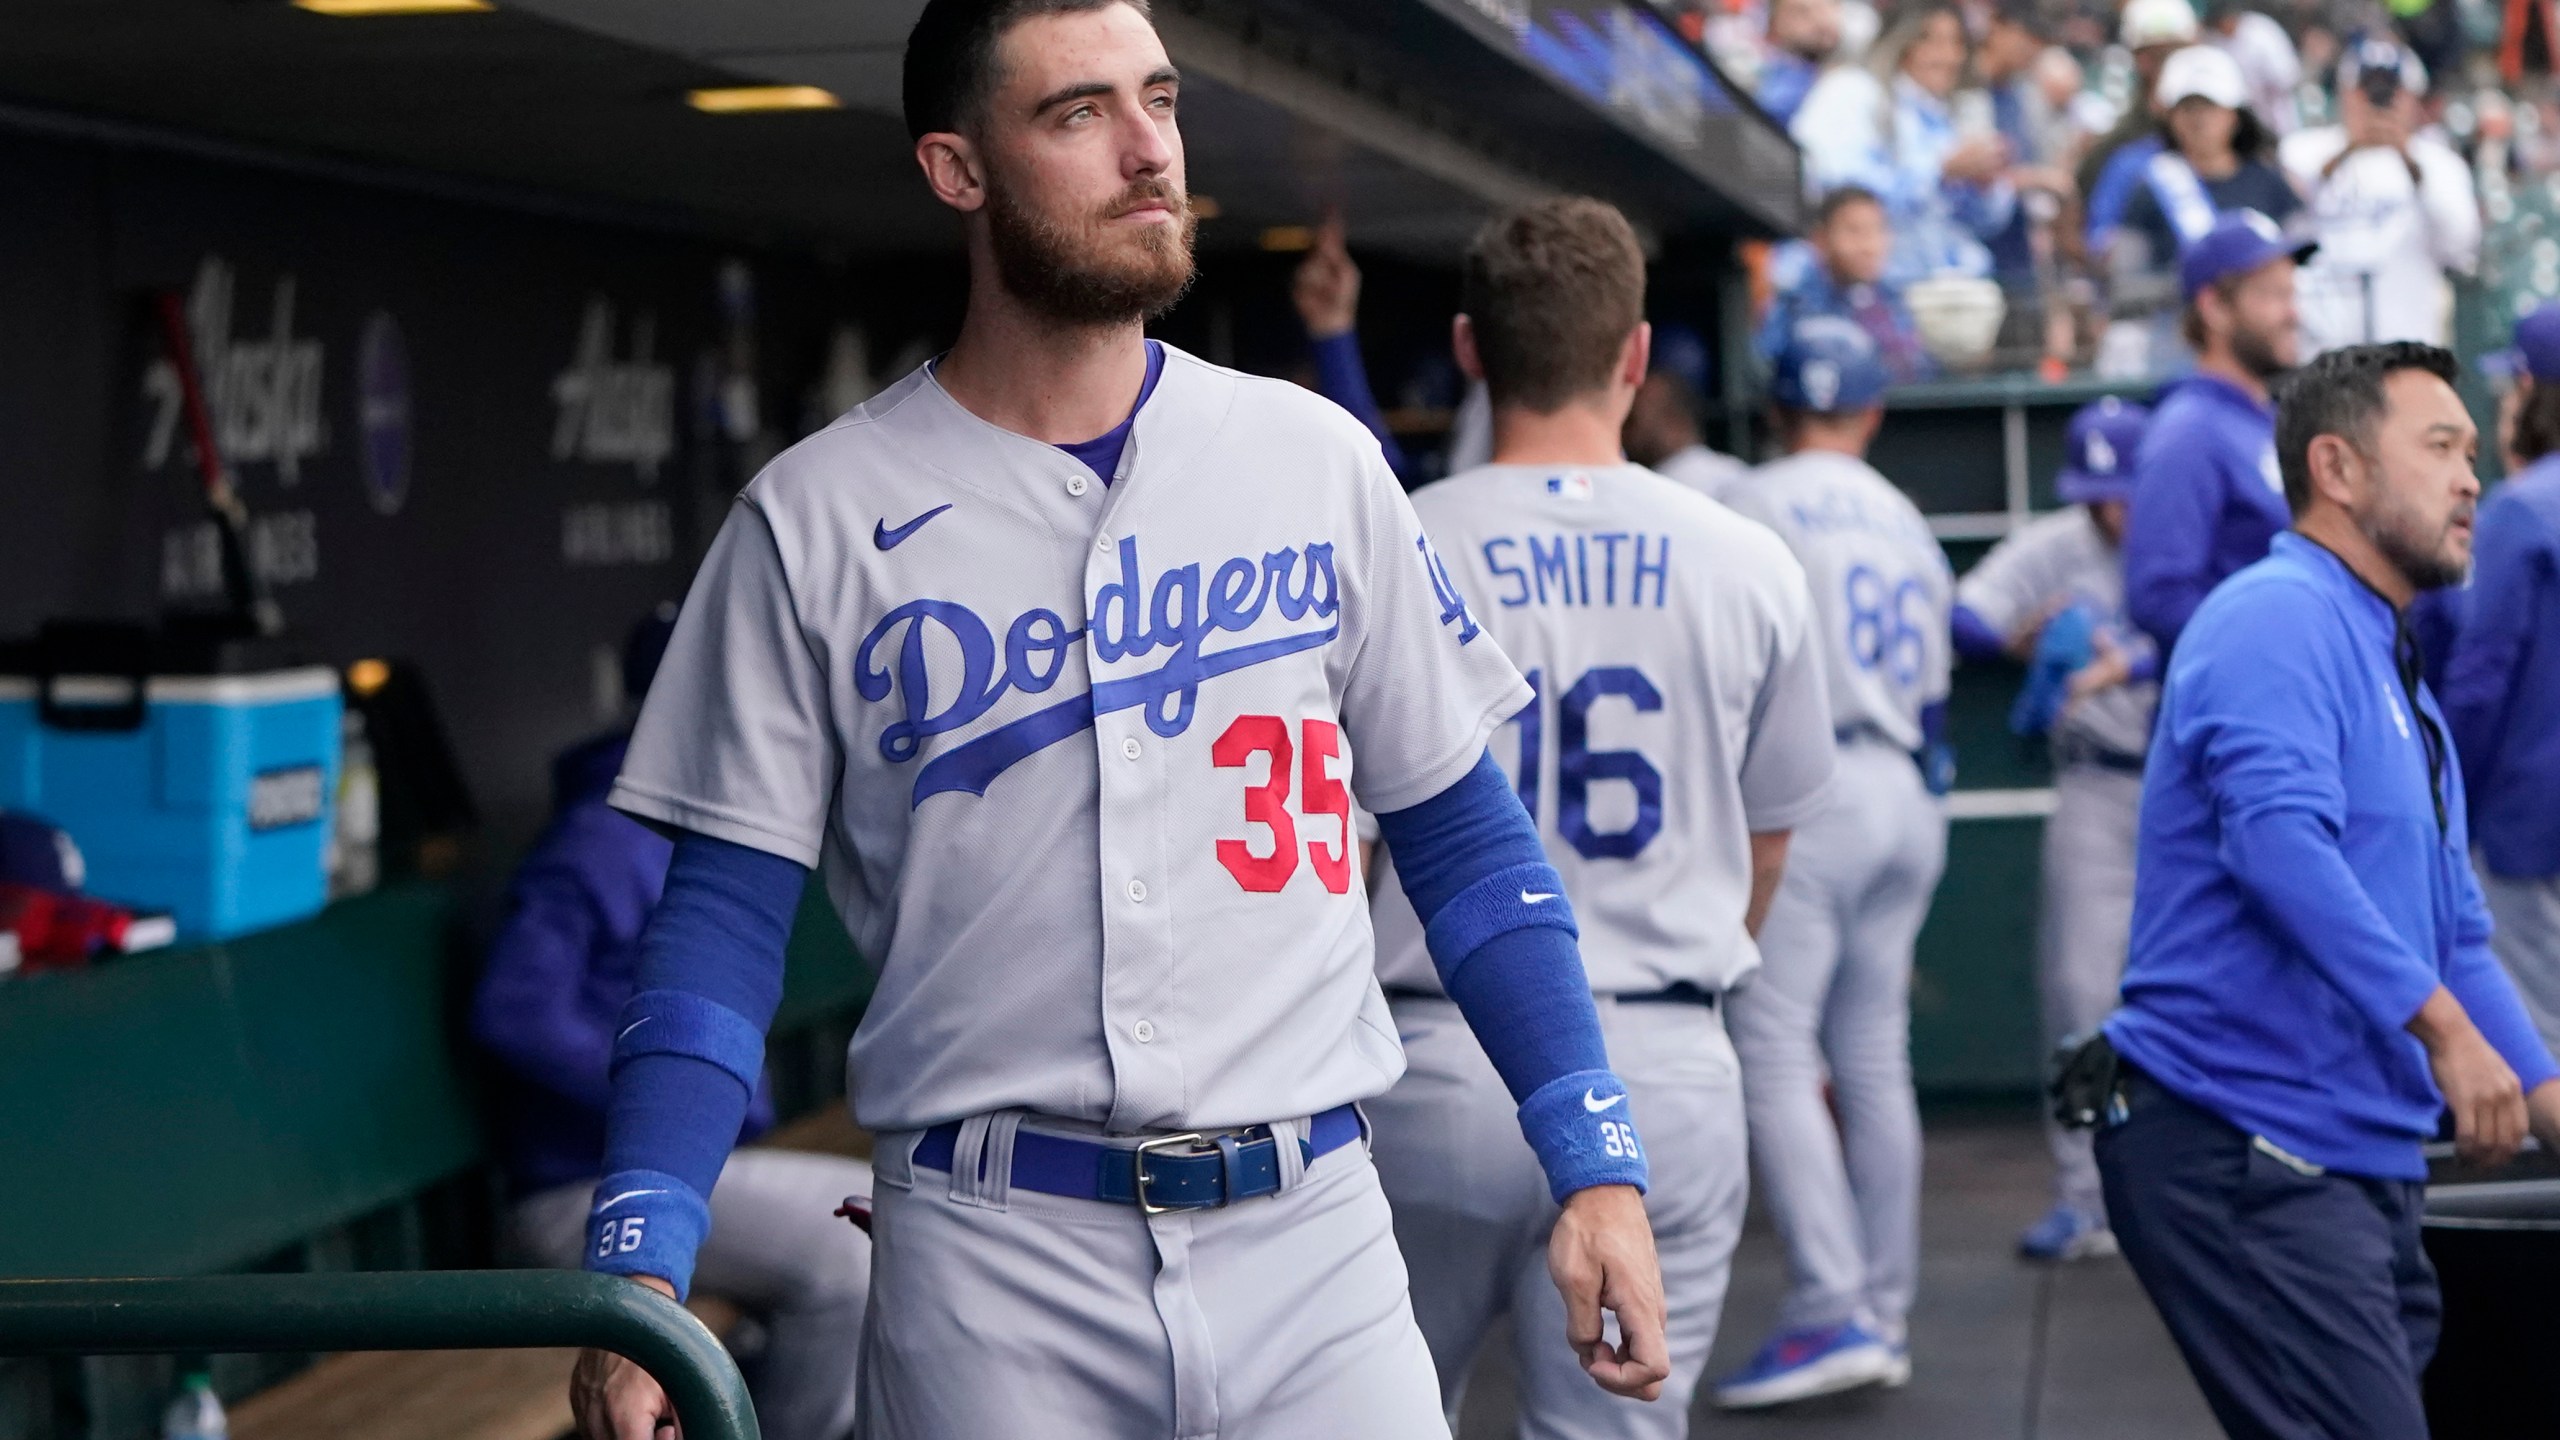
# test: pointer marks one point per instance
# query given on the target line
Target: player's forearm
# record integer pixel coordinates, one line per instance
(1501, 935)
(688, 1052)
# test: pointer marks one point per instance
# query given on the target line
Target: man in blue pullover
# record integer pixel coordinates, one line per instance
(546, 1011)
(2207, 496)
(2502, 683)
(2310, 985)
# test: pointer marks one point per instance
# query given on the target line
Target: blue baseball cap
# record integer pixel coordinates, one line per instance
(2536, 351)
(2240, 241)
(1828, 365)
(35, 852)
(2099, 450)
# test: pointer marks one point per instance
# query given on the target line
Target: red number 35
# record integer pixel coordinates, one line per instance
(1267, 804)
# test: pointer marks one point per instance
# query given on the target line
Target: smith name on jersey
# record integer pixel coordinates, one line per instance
(1077, 761)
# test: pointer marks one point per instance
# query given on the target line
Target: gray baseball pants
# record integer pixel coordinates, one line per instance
(1473, 1214)
(1834, 994)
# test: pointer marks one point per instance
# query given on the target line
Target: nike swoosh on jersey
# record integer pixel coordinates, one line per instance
(888, 539)
(1536, 897)
(626, 1195)
(1595, 1104)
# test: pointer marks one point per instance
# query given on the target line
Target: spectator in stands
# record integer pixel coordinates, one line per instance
(2269, 65)
(2207, 497)
(1886, 126)
(1326, 292)
(2502, 684)
(1851, 240)
(1662, 426)
(2210, 164)
(2153, 30)
(1803, 36)
(2013, 40)
(2073, 115)
(2392, 208)
(547, 1009)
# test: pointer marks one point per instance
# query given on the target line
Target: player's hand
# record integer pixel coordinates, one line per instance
(2108, 671)
(2542, 1115)
(2484, 1095)
(1981, 158)
(1326, 288)
(1601, 1258)
(613, 1399)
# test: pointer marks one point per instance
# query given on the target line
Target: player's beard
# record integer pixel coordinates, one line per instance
(2255, 350)
(1084, 271)
(2420, 548)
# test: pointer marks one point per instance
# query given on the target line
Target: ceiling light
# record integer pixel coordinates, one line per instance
(393, 7)
(1288, 239)
(738, 99)
(1204, 208)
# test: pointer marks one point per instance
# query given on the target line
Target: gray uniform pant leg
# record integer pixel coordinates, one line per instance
(778, 1251)
(1000, 1312)
(2086, 923)
(1834, 994)
(1473, 1215)
(2526, 940)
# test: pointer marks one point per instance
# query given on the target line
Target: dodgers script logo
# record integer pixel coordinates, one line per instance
(1180, 613)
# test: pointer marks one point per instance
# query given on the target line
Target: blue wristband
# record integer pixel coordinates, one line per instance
(647, 1222)
(1582, 1132)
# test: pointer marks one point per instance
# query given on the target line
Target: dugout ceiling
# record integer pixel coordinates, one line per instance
(1417, 116)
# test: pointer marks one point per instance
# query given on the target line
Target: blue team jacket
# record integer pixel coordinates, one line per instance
(556, 979)
(2296, 897)
(2502, 682)
(2206, 500)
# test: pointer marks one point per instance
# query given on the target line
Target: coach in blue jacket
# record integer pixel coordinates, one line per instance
(2310, 985)
(2207, 496)
(2502, 685)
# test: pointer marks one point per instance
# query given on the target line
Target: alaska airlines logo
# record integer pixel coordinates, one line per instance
(1180, 613)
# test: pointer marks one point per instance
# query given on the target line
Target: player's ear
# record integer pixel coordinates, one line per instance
(953, 169)
(1462, 344)
(1636, 355)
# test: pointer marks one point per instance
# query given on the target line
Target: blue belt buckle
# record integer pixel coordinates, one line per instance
(1138, 1167)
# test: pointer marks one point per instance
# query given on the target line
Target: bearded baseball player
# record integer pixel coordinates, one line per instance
(1679, 733)
(1834, 990)
(1063, 661)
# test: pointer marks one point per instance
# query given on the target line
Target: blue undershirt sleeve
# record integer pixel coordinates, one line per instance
(689, 1050)
(1975, 639)
(1343, 378)
(1501, 935)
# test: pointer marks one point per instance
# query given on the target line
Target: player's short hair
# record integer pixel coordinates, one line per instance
(2340, 393)
(951, 57)
(2538, 422)
(1552, 290)
(1841, 198)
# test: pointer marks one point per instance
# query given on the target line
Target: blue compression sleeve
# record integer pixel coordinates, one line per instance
(710, 978)
(1344, 380)
(1501, 936)
(1975, 639)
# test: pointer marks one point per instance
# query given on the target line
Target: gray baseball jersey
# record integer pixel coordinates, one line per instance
(1880, 584)
(1680, 707)
(2062, 559)
(1077, 760)
(1706, 471)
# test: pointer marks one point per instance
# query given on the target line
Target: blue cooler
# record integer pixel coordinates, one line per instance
(208, 795)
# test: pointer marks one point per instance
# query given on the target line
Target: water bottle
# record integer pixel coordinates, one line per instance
(195, 1413)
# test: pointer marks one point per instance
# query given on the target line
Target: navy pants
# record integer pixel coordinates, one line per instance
(2304, 1304)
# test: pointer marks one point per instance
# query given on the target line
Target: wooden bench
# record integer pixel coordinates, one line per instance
(476, 1394)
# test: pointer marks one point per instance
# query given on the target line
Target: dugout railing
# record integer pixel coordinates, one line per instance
(442, 1310)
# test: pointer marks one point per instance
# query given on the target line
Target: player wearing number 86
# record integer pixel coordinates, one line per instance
(1833, 992)
(1679, 732)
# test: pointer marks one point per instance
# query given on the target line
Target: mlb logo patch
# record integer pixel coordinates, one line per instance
(1573, 485)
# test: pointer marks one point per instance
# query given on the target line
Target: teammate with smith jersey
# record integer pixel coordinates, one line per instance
(1679, 733)
(1064, 660)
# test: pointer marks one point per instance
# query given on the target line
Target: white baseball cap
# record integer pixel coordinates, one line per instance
(2201, 72)
(2157, 22)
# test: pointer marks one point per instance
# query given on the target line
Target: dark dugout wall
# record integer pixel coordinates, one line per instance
(478, 437)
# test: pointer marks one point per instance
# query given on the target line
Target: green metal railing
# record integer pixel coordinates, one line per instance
(439, 1310)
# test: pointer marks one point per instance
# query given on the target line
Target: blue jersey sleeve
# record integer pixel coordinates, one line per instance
(2512, 565)
(2168, 539)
